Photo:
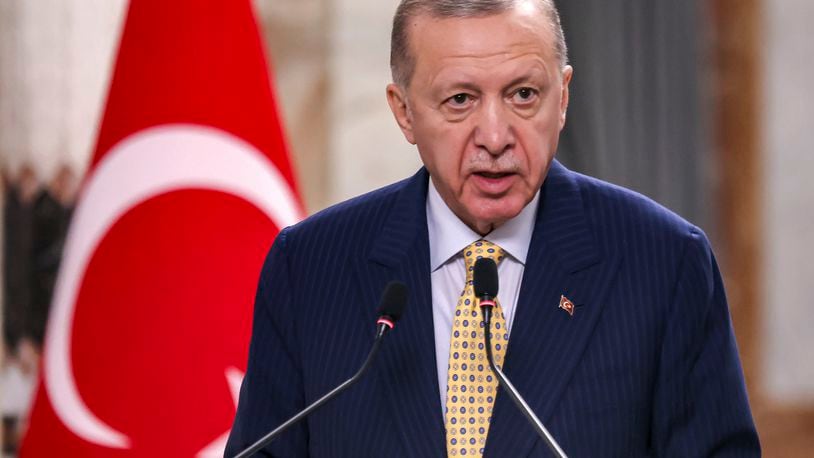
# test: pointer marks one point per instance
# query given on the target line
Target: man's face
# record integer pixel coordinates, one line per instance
(485, 106)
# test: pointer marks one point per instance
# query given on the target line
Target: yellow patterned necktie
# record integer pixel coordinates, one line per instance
(471, 385)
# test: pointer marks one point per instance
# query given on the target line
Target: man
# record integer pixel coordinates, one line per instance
(619, 334)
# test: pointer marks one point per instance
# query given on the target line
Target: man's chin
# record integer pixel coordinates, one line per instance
(494, 213)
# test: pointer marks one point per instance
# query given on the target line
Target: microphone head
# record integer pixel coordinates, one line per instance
(484, 278)
(394, 300)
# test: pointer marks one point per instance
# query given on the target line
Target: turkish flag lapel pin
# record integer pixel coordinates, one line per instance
(567, 305)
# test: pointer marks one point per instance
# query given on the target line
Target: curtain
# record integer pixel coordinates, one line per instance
(638, 110)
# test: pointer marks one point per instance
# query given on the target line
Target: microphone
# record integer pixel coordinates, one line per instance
(485, 283)
(394, 300)
(392, 304)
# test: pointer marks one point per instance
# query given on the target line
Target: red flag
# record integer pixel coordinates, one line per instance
(189, 183)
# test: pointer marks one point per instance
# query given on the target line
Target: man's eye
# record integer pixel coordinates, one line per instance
(459, 99)
(524, 94)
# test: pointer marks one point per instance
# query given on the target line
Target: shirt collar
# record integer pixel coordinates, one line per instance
(449, 235)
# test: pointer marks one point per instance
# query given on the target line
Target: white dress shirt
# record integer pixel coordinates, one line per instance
(448, 237)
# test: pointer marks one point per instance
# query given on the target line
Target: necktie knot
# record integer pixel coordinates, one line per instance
(480, 249)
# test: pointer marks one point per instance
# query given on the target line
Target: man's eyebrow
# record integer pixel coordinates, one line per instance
(465, 85)
(529, 76)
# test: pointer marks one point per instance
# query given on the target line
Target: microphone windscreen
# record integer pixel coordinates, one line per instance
(484, 278)
(394, 300)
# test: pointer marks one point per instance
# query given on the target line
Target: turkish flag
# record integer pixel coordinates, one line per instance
(189, 184)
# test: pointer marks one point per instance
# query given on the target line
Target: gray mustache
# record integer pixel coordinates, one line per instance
(505, 163)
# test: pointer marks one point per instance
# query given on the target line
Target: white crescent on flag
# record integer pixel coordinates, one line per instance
(142, 166)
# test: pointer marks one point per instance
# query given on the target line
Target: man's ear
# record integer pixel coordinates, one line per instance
(397, 99)
(567, 73)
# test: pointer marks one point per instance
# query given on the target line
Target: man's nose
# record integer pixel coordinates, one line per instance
(494, 131)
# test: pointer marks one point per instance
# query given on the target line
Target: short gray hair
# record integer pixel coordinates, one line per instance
(402, 62)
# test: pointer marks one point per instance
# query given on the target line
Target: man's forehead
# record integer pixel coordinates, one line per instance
(507, 73)
(487, 37)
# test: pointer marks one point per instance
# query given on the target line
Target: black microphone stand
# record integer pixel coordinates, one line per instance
(265, 440)
(486, 309)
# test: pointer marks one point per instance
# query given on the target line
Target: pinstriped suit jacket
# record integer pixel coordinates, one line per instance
(646, 366)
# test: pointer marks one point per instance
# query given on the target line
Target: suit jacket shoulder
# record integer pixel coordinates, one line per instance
(621, 213)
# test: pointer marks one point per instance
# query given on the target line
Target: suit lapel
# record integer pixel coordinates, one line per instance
(406, 369)
(546, 342)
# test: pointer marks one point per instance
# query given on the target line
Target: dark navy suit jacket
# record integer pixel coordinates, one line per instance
(646, 366)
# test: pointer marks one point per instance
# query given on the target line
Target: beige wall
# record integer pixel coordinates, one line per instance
(788, 308)
(55, 62)
(331, 64)
(296, 33)
(367, 149)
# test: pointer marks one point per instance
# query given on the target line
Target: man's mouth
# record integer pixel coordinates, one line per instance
(493, 183)
(493, 175)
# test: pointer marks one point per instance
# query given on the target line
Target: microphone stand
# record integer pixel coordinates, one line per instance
(486, 308)
(265, 440)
